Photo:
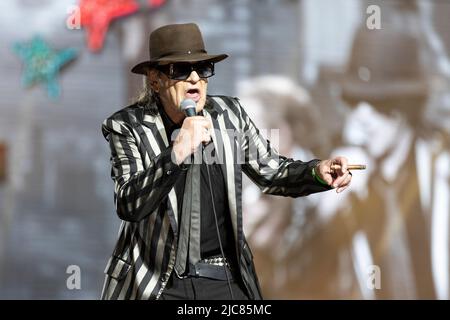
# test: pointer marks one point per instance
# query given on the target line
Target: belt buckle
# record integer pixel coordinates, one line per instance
(212, 271)
(217, 261)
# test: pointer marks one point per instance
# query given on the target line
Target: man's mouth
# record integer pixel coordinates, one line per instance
(193, 94)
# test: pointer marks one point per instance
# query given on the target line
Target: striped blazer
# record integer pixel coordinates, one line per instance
(144, 175)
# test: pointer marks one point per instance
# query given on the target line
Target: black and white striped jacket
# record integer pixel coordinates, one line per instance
(144, 176)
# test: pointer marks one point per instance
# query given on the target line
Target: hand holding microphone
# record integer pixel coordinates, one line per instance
(194, 131)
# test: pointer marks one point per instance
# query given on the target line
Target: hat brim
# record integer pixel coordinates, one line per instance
(356, 90)
(141, 68)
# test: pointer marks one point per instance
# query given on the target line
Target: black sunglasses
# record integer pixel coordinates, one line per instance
(182, 70)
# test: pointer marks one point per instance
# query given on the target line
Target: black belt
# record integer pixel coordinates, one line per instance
(212, 271)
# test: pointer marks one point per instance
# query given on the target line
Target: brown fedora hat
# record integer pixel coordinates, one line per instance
(384, 64)
(176, 43)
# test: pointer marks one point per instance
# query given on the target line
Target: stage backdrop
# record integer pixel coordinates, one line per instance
(365, 79)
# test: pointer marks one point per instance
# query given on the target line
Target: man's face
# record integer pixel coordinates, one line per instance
(173, 92)
(371, 129)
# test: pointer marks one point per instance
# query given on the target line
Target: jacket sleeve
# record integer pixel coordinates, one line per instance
(274, 174)
(137, 191)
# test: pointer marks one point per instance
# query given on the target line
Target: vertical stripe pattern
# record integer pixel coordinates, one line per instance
(144, 197)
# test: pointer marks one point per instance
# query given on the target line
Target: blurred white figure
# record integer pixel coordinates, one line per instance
(272, 225)
(399, 206)
(396, 213)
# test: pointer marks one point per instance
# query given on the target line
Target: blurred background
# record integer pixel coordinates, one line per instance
(368, 80)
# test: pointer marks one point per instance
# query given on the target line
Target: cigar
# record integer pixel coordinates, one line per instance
(349, 167)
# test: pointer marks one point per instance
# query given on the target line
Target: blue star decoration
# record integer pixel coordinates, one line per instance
(42, 64)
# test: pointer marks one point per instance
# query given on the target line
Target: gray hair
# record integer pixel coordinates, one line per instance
(147, 97)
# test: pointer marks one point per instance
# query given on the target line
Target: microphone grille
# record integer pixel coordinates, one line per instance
(187, 104)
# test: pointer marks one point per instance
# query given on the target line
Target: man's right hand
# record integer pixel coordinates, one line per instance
(193, 132)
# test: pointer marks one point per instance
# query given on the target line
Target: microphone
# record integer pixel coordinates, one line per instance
(188, 107)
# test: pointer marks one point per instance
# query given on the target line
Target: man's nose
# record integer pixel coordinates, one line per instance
(193, 77)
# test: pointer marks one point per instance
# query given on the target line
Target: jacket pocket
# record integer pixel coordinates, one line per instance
(117, 268)
(248, 273)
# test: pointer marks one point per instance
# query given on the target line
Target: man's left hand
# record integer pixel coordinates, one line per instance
(339, 178)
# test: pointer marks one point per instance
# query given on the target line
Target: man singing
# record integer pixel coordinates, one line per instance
(181, 236)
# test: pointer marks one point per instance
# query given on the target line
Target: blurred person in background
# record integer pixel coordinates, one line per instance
(389, 236)
(181, 237)
(274, 225)
(396, 217)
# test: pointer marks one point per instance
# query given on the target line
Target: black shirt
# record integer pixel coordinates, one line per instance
(209, 244)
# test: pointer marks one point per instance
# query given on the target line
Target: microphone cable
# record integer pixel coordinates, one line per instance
(217, 222)
(218, 232)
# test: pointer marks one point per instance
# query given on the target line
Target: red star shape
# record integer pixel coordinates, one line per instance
(96, 15)
(155, 3)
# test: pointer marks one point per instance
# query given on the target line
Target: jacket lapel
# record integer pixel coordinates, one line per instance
(156, 141)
